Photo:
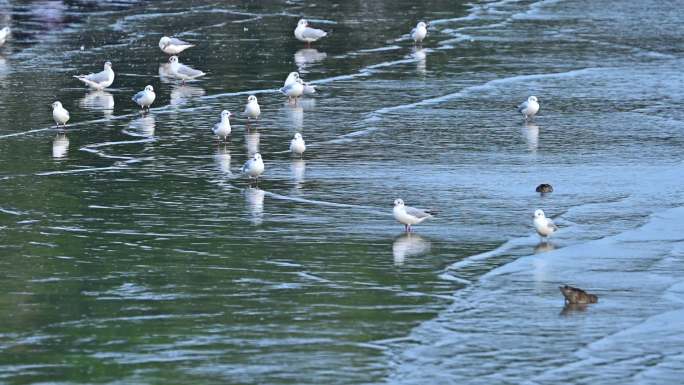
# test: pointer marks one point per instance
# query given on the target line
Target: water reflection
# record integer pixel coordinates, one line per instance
(60, 146)
(98, 101)
(4, 67)
(305, 57)
(420, 54)
(255, 204)
(530, 132)
(222, 159)
(143, 126)
(298, 168)
(409, 245)
(295, 114)
(543, 247)
(573, 308)
(252, 142)
(181, 93)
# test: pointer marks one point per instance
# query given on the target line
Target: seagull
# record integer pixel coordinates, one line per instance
(252, 109)
(59, 114)
(294, 89)
(183, 72)
(544, 226)
(297, 145)
(222, 128)
(306, 34)
(529, 108)
(4, 33)
(254, 167)
(145, 98)
(292, 78)
(408, 215)
(100, 80)
(173, 46)
(419, 33)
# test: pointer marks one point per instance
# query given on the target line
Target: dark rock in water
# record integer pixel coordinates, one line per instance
(544, 188)
(574, 295)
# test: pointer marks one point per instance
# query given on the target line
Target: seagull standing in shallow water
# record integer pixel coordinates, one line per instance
(408, 215)
(145, 98)
(529, 108)
(307, 34)
(59, 114)
(254, 167)
(297, 145)
(252, 109)
(222, 129)
(544, 226)
(419, 33)
(173, 46)
(183, 72)
(100, 80)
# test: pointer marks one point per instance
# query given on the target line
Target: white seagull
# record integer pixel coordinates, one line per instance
(59, 114)
(543, 225)
(419, 33)
(252, 109)
(307, 34)
(183, 72)
(173, 46)
(100, 80)
(408, 215)
(307, 88)
(4, 33)
(529, 108)
(254, 167)
(294, 89)
(222, 129)
(145, 98)
(297, 145)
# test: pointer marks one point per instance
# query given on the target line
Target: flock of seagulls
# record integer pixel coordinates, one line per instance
(294, 87)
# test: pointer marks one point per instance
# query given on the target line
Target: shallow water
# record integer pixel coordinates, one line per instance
(133, 251)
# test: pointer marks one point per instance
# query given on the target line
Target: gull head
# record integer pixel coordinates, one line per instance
(57, 105)
(298, 136)
(532, 99)
(422, 24)
(398, 203)
(251, 99)
(149, 88)
(539, 213)
(5, 30)
(257, 156)
(294, 75)
(225, 114)
(173, 59)
(302, 23)
(164, 41)
(108, 64)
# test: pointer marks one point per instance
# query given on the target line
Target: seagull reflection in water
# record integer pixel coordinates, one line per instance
(409, 245)
(60, 146)
(254, 198)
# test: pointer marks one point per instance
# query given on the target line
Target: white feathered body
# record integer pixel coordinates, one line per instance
(297, 145)
(222, 129)
(253, 167)
(419, 33)
(252, 110)
(60, 115)
(98, 81)
(544, 226)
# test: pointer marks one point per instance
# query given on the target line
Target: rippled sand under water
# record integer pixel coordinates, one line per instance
(133, 252)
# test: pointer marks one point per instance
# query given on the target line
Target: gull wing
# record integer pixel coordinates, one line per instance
(313, 33)
(138, 96)
(175, 41)
(418, 213)
(188, 71)
(96, 78)
(522, 107)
